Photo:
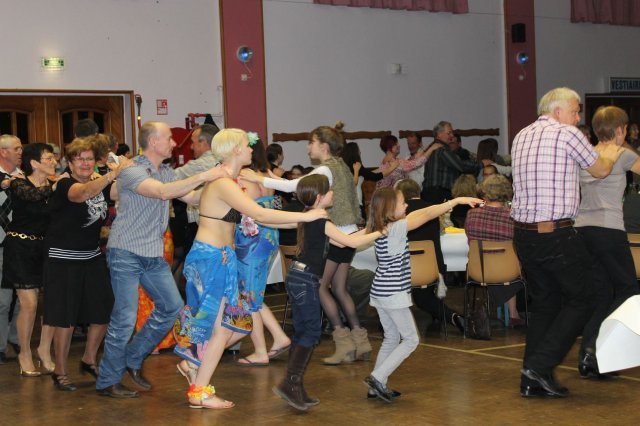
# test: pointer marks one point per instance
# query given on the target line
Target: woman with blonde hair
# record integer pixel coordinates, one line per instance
(215, 317)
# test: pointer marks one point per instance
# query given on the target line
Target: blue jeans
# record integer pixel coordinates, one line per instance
(153, 273)
(303, 291)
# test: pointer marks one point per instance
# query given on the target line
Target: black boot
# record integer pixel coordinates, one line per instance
(588, 368)
(290, 389)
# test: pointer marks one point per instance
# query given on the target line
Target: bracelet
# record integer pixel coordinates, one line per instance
(109, 178)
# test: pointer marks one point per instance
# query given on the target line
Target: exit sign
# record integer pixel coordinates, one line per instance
(53, 63)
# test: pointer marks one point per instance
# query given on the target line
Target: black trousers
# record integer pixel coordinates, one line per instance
(614, 276)
(557, 269)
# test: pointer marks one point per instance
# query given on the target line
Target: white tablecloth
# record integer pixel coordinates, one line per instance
(455, 250)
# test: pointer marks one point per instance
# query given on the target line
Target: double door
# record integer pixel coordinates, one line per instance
(52, 118)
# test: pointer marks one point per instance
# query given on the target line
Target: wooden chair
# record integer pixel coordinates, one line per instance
(499, 267)
(634, 244)
(287, 256)
(424, 269)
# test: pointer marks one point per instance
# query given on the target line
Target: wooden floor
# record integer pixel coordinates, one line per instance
(454, 381)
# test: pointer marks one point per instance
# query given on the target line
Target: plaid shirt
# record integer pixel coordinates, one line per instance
(546, 158)
(489, 224)
(444, 167)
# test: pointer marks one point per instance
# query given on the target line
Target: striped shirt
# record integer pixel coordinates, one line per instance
(141, 221)
(547, 157)
(393, 274)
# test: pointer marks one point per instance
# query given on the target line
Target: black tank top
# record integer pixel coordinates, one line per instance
(316, 246)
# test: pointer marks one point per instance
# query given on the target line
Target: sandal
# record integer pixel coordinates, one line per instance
(275, 353)
(189, 373)
(206, 398)
(62, 382)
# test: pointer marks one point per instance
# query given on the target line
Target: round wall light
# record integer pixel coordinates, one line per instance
(522, 58)
(244, 54)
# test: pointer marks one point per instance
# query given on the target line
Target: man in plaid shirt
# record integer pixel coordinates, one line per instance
(547, 157)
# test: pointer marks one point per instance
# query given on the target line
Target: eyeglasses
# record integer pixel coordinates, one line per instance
(48, 158)
(84, 159)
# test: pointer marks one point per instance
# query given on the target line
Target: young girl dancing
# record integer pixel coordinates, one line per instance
(391, 288)
(303, 283)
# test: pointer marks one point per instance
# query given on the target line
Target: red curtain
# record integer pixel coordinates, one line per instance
(453, 6)
(614, 12)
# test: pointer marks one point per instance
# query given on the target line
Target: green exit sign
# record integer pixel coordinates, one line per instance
(53, 63)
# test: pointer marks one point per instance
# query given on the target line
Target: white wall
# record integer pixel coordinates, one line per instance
(161, 49)
(328, 63)
(581, 56)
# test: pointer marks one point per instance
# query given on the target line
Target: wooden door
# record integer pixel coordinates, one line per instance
(52, 118)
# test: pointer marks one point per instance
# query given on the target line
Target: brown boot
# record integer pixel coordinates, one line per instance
(345, 347)
(363, 347)
(290, 389)
(309, 401)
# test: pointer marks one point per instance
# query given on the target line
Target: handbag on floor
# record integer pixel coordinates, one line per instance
(478, 324)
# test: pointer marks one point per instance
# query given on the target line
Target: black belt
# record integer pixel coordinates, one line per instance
(545, 227)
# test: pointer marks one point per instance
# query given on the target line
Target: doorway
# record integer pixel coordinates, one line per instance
(51, 116)
(628, 102)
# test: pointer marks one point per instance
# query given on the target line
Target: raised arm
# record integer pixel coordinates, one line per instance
(350, 240)
(419, 217)
(153, 188)
(282, 185)
(609, 154)
(229, 192)
(81, 192)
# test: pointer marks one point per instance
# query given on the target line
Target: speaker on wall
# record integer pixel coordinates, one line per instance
(518, 33)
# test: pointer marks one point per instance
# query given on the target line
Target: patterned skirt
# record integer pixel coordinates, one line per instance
(212, 274)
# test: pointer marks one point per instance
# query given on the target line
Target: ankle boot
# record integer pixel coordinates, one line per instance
(290, 389)
(345, 347)
(309, 401)
(363, 347)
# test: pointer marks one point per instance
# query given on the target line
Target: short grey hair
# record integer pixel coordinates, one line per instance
(558, 97)
(6, 140)
(440, 127)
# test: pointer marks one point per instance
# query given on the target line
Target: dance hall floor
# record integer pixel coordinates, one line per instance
(445, 382)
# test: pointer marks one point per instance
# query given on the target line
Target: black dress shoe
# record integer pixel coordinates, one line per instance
(380, 390)
(3, 358)
(138, 379)
(546, 382)
(371, 394)
(588, 368)
(535, 391)
(458, 321)
(117, 391)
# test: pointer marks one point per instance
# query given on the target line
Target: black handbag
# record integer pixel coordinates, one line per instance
(478, 324)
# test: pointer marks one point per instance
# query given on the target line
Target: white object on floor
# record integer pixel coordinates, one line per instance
(618, 344)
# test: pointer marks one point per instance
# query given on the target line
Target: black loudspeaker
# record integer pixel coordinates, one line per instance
(518, 33)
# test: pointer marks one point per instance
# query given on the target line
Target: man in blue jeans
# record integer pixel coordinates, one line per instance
(135, 255)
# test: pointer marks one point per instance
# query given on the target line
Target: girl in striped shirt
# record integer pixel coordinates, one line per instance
(391, 289)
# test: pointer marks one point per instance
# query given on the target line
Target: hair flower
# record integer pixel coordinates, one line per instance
(253, 138)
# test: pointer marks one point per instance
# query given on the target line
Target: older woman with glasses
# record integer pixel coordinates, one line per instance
(76, 281)
(23, 250)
